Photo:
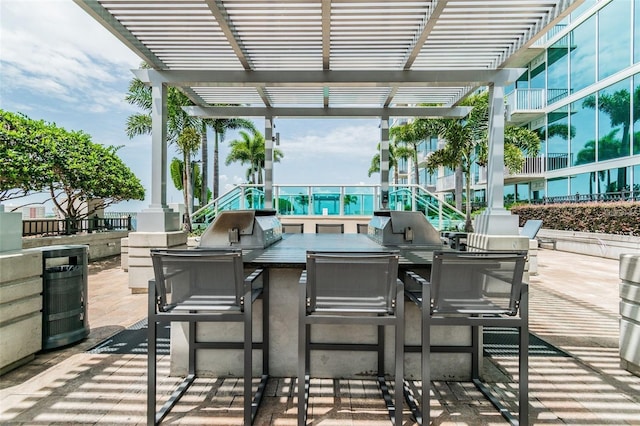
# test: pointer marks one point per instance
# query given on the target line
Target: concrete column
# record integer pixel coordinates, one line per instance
(630, 313)
(20, 307)
(384, 162)
(10, 230)
(268, 162)
(158, 217)
(496, 219)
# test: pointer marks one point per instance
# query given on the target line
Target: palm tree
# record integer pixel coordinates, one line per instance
(467, 143)
(396, 153)
(410, 135)
(188, 143)
(250, 149)
(220, 127)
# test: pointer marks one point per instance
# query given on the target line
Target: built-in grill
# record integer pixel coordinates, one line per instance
(248, 229)
(400, 228)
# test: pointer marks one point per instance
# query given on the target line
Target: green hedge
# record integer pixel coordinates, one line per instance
(621, 218)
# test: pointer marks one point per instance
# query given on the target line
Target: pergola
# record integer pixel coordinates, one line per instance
(328, 58)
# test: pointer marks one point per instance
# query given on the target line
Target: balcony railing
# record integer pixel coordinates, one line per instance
(52, 227)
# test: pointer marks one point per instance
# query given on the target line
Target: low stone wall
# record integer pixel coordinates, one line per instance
(609, 246)
(20, 307)
(101, 244)
(630, 313)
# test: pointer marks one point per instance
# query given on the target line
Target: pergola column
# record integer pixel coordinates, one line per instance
(384, 163)
(268, 163)
(496, 220)
(158, 217)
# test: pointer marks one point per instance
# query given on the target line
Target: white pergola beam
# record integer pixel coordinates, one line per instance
(373, 78)
(336, 112)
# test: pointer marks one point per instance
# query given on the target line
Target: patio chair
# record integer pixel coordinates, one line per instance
(472, 289)
(205, 285)
(363, 228)
(329, 228)
(351, 288)
(293, 228)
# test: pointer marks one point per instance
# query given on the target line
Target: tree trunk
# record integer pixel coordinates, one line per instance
(416, 169)
(188, 197)
(205, 166)
(216, 166)
(458, 187)
(468, 226)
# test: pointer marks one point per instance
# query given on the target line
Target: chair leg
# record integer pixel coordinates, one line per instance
(302, 373)
(151, 372)
(523, 377)
(425, 403)
(248, 360)
(399, 374)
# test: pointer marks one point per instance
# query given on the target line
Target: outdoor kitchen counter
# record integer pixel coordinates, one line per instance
(284, 262)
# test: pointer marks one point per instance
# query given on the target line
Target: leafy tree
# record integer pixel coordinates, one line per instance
(41, 157)
(250, 149)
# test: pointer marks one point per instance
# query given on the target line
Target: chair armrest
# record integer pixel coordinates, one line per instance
(303, 278)
(253, 276)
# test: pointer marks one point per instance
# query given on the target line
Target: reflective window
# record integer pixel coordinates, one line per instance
(583, 133)
(557, 136)
(636, 178)
(636, 29)
(614, 120)
(557, 71)
(614, 38)
(584, 183)
(538, 76)
(582, 8)
(583, 55)
(636, 113)
(557, 187)
(613, 180)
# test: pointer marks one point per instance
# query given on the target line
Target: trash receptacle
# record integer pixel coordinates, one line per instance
(64, 295)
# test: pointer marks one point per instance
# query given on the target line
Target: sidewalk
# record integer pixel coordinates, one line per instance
(574, 306)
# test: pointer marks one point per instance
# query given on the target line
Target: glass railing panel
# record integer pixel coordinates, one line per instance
(292, 200)
(359, 200)
(325, 200)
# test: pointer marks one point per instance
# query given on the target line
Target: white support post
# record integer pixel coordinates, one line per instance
(384, 163)
(268, 163)
(496, 220)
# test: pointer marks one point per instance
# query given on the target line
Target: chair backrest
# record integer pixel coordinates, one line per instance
(363, 228)
(329, 228)
(182, 275)
(476, 282)
(531, 228)
(352, 281)
(293, 228)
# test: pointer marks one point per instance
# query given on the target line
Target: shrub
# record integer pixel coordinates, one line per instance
(621, 218)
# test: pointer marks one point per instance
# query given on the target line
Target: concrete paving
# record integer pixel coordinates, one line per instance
(574, 306)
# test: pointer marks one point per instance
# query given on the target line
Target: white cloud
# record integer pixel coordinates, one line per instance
(56, 49)
(348, 140)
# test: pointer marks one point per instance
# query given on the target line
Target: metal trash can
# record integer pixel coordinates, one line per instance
(64, 295)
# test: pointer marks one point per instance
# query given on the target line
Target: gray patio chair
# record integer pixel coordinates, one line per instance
(205, 285)
(329, 228)
(351, 288)
(473, 289)
(293, 228)
(363, 228)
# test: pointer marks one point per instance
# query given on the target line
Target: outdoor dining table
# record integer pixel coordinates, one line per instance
(284, 262)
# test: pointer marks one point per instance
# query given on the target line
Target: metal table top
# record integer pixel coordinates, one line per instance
(290, 252)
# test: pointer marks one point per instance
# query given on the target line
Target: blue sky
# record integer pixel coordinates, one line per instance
(59, 65)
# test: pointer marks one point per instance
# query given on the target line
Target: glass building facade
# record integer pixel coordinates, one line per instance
(588, 80)
(581, 95)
